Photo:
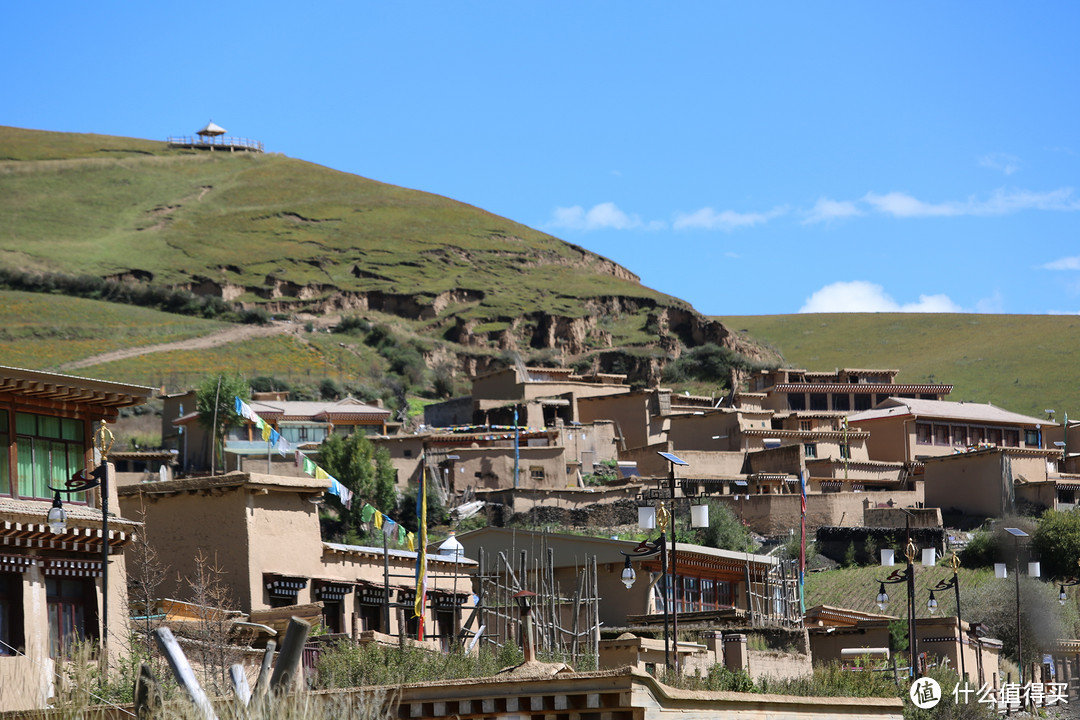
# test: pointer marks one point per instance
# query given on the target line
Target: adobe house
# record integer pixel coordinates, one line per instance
(989, 482)
(911, 430)
(263, 531)
(51, 583)
(838, 634)
(301, 423)
(478, 458)
(542, 397)
(847, 390)
(623, 694)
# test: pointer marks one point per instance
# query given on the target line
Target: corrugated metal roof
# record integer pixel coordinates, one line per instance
(947, 410)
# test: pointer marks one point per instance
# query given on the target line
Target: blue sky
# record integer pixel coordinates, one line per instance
(749, 158)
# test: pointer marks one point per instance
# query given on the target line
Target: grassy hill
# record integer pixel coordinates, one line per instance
(118, 218)
(111, 206)
(1025, 363)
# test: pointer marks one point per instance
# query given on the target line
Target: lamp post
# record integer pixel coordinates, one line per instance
(648, 518)
(524, 600)
(931, 604)
(907, 575)
(648, 549)
(1017, 533)
(57, 519)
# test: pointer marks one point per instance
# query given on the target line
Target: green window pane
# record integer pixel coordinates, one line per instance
(41, 470)
(48, 426)
(25, 450)
(72, 429)
(5, 479)
(26, 424)
(76, 461)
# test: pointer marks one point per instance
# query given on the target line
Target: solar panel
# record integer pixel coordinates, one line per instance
(672, 459)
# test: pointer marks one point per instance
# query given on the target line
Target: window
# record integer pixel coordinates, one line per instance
(536, 473)
(407, 452)
(370, 617)
(819, 401)
(690, 600)
(49, 450)
(845, 451)
(941, 434)
(805, 425)
(11, 616)
(810, 450)
(993, 436)
(976, 435)
(959, 435)
(1010, 438)
(72, 605)
(796, 401)
(1031, 438)
(5, 480)
(841, 401)
(695, 594)
(924, 433)
(862, 402)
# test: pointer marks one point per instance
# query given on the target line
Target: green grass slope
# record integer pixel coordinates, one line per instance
(1025, 363)
(42, 332)
(857, 589)
(104, 206)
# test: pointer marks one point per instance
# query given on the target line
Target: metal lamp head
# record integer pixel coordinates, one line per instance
(882, 597)
(57, 515)
(628, 574)
(931, 604)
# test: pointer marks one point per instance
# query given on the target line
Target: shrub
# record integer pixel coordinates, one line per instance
(255, 316)
(725, 531)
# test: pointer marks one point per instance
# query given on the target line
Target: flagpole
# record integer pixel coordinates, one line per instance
(802, 541)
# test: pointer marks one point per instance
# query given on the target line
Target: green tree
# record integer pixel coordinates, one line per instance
(1042, 620)
(725, 531)
(215, 401)
(368, 472)
(385, 485)
(1057, 542)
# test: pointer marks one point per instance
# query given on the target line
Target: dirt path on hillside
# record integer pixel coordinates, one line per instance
(236, 333)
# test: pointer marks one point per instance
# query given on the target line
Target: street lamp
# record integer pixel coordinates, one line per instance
(57, 518)
(1017, 533)
(931, 604)
(648, 549)
(629, 576)
(907, 575)
(1064, 584)
(648, 519)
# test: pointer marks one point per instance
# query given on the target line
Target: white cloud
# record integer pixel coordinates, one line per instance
(863, 296)
(1065, 263)
(709, 219)
(1002, 202)
(1002, 162)
(825, 210)
(605, 216)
